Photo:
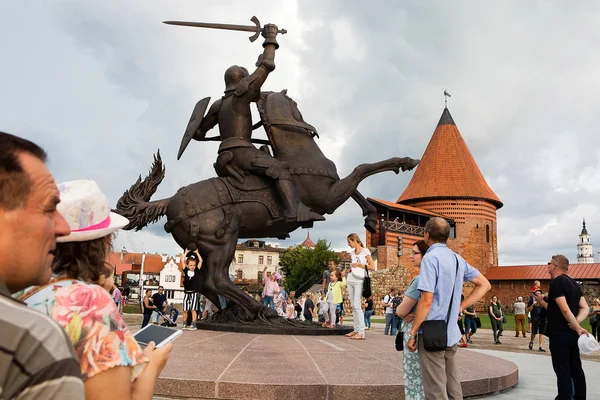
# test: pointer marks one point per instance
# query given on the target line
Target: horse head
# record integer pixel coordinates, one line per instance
(280, 114)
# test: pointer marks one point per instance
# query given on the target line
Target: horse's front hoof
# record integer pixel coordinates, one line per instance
(413, 163)
(371, 224)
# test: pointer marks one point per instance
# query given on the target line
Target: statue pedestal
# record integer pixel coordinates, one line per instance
(225, 365)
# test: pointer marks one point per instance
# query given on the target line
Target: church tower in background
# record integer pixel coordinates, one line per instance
(585, 252)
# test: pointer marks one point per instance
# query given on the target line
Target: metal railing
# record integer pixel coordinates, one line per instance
(402, 227)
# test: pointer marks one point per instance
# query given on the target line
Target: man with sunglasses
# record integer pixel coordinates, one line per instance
(566, 308)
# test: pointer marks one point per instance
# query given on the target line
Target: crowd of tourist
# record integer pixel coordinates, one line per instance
(71, 341)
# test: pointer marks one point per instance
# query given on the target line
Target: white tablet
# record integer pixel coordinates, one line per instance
(160, 335)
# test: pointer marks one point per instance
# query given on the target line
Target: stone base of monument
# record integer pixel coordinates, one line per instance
(226, 365)
(265, 321)
(279, 326)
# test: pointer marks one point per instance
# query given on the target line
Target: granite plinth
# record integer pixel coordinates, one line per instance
(226, 365)
(283, 327)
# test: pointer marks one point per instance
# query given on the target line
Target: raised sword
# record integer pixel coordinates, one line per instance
(257, 29)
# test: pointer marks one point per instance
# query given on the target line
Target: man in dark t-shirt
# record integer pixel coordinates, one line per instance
(159, 299)
(309, 308)
(565, 309)
(539, 322)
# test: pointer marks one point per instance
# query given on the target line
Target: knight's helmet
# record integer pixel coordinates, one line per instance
(233, 76)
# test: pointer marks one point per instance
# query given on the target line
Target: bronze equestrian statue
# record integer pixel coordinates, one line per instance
(255, 195)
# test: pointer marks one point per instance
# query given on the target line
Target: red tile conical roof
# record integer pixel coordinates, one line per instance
(447, 169)
(308, 242)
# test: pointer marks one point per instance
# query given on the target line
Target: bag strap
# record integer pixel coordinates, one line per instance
(453, 287)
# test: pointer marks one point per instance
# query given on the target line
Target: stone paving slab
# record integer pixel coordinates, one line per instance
(216, 365)
(537, 380)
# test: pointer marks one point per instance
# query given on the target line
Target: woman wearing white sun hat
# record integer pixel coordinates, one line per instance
(108, 354)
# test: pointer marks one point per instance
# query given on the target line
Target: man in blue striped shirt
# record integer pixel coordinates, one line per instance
(441, 280)
(37, 360)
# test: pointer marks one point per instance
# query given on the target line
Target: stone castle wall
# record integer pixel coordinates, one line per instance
(508, 291)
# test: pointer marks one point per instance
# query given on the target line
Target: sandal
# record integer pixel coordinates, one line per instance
(351, 334)
(358, 337)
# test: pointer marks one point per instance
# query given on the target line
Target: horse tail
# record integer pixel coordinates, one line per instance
(135, 203)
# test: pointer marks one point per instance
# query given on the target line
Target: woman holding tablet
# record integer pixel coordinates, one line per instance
(113, 365)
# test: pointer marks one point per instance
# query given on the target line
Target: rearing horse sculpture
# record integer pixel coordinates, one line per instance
(213, 214)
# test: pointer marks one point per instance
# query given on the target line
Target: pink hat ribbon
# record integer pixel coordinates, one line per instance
(100, 225)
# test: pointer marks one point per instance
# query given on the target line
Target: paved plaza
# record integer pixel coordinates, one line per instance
(223, 365)
(206, 364)
(537, 379)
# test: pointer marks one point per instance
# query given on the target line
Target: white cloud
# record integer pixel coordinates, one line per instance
(103, 85)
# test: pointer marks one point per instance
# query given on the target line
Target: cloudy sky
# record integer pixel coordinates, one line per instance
(103, 85)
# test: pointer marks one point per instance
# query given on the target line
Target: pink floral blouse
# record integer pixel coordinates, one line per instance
(89, 316)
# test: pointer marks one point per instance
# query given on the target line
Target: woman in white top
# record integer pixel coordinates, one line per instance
(361, 260)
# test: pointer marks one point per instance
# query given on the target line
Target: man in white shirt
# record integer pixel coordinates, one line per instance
(389, 309)
(520, 316)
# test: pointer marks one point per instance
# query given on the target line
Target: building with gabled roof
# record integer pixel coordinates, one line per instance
(510, 282)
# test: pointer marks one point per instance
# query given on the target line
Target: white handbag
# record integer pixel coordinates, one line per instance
(358, 273)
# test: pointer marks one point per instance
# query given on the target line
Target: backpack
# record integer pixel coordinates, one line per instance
(396, 302)
(390, 299)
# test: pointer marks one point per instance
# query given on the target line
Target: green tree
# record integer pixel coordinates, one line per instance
(303, 267)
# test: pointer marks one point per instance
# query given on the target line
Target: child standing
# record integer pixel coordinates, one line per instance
(290, 311)
(368, 312)
(334, 295)
(190, 266)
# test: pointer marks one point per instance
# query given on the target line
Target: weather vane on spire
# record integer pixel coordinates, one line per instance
(446, 95)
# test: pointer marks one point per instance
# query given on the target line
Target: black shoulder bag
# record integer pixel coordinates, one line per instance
(434, 333)
(367, 292)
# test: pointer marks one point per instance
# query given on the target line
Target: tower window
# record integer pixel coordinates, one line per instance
(487, 233)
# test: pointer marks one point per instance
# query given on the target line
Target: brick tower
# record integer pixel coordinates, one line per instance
(448, 182)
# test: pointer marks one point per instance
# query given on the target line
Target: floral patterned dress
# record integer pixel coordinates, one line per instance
(280, 304)
(89, 316)
(411, 367)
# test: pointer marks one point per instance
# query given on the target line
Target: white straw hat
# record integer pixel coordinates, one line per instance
(587, 344)
(87, 212)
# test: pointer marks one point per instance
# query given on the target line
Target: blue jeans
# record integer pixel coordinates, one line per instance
(567, 365)
(396, 325)
(223, 302)
(146, 319)
(389, 317)
(470, 326)
(368, 314)
(268, 301)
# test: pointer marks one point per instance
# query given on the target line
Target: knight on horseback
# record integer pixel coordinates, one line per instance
(237, 155)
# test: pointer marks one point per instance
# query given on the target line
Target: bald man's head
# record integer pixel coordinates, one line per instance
(438, 230)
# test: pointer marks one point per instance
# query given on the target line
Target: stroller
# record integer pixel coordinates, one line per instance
(171, 318)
